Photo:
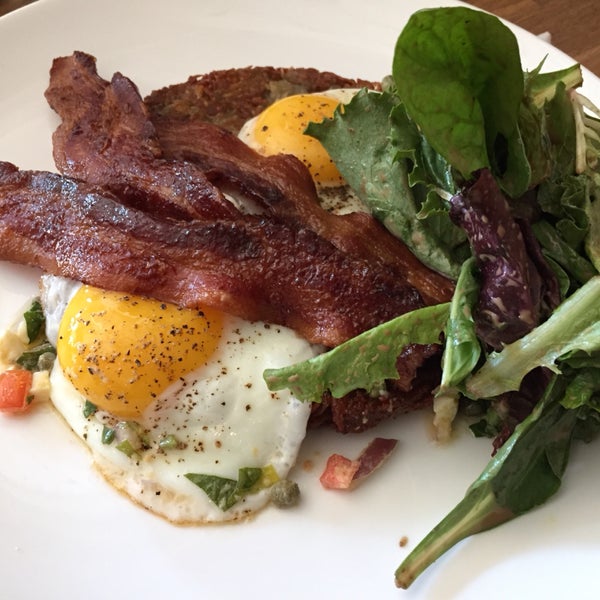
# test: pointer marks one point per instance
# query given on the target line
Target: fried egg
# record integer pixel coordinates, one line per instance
(279, 129)
(171, 401)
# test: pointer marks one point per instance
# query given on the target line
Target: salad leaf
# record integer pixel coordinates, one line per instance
(573, 326)
(541, 88)
(592, 241)
(458, 110)
(581, 389)
(507, 305)
(394, 171)
(458, 71)
(579, 268)
(525, 472)
(363, 362)
(462, 348)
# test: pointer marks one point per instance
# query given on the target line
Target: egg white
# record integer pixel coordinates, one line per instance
(222, 415)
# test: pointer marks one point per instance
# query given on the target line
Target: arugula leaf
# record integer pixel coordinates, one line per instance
(363, 362)
(526, 471)
(458, 71)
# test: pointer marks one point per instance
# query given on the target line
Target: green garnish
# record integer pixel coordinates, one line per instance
(169, 442)
(34, 320)
(225, 492)
(89, 409)
(126, 448)
(108, 435)
(38, 358)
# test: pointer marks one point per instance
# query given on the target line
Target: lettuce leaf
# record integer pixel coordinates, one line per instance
(363, 362)
(397, 174)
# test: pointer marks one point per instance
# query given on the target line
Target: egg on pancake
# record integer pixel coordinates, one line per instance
(279, 129)
(171, 401)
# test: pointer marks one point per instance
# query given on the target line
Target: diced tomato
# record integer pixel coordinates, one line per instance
(15, 385)
(339, 472)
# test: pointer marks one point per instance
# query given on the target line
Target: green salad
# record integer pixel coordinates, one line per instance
(490, 175)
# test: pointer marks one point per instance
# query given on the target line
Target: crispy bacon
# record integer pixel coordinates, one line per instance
(106, 139)
(151, 218)
(257, 268)
(282, 185)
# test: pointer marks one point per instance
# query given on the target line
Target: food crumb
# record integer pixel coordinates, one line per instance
(308, 465)
(403, 541)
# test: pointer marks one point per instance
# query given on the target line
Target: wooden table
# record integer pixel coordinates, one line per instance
(574, 25)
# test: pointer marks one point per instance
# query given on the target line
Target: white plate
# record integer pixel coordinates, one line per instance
(67, 534)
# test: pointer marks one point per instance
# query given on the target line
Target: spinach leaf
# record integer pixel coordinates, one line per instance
(458, 72)
(526, 471)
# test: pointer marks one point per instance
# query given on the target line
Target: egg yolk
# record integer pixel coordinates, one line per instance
(280, 129)
(121, 351)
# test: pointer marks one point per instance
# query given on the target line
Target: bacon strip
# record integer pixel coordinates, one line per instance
(258, 268)
(282, 185)
(107, 139)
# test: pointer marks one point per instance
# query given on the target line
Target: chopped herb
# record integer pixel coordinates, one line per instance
(34, 320)
(89, 409)
(225, 492)
(126, 448)
(39, 358)
(169, 442)
(108, 435)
